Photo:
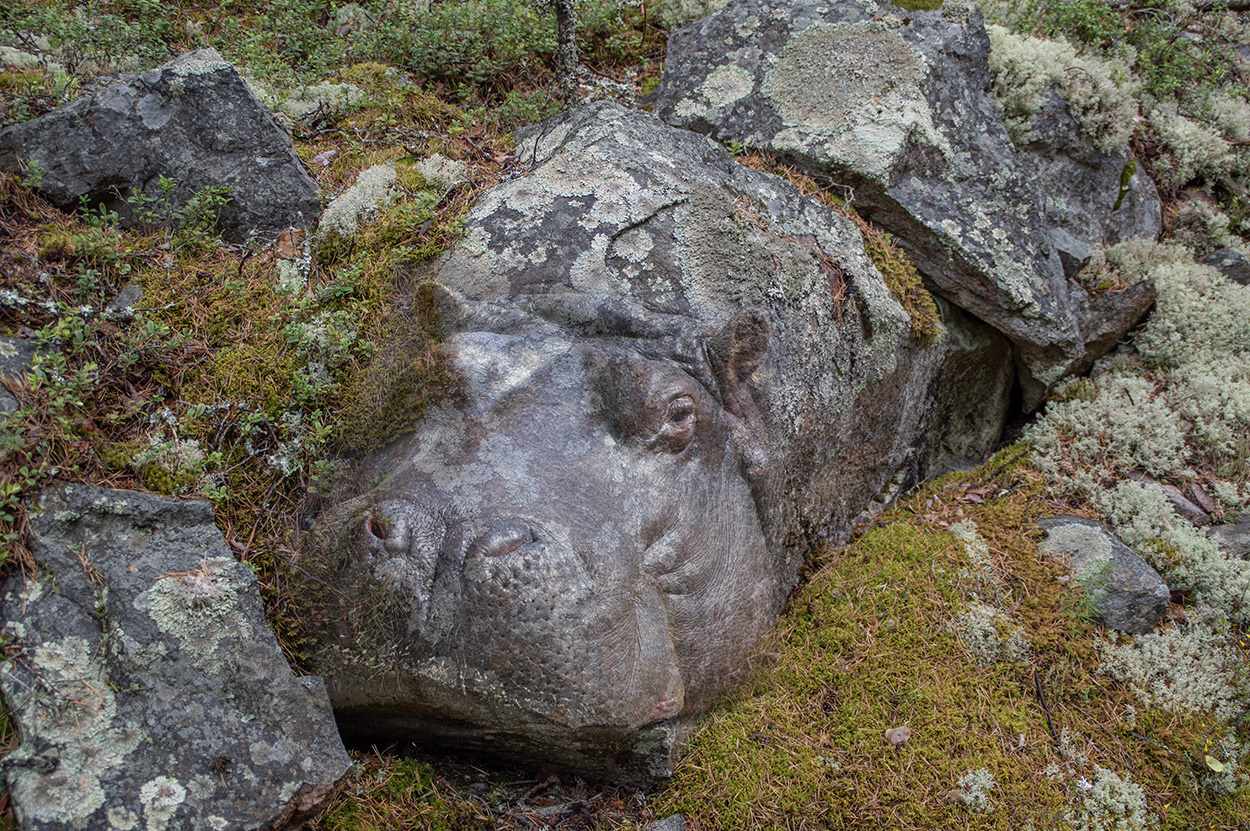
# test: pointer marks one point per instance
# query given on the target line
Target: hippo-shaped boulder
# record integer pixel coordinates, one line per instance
(677, 374)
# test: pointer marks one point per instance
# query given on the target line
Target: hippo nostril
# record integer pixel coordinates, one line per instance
(375, 526)
(503, 538)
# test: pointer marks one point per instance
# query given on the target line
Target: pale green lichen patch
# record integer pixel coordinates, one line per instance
(68, 703)
(852, 93)
(373, 189)
(305, 101)
(160, 798)
(200, 608)
(726, 85)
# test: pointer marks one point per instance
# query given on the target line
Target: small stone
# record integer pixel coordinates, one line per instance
(898, 735)
(672, 822)
(1124, 592)
(193, 120)
(1184, 507)
(1202, 498)
(1232, 264)
(1234, 539)
(16, 356)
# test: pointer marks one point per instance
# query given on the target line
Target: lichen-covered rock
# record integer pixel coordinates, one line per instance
(1123, 591)
(896, 105)
(193, 120)
(1106, 319)
(16, 356)
(145, 684)
(1234, 538)
(1092, 196)
(677, 375)
(1232, 264)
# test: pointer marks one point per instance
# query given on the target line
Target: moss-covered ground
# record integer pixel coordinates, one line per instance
(872, 643)
(245, 370)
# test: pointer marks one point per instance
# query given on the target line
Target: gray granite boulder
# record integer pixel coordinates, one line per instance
(1107, 317)
(1092, 196)
(16, 356)
(1233, 538)
(193, 120)
(1124, 592)
(146, 687)
(896, 105)
(1232, 264)
(678, 374)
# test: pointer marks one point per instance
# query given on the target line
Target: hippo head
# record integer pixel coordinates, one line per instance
(573, 544)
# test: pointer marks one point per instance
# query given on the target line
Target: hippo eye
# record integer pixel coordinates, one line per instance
(680, 419)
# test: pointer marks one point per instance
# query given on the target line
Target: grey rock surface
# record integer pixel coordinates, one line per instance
(1234, 538)
(145, 684)
(16, 356)
(672, 822)
(1090, 196)
(896, 105)
(677, 375)
(1232, 264)
(1125, 593)
(193, 120)
(1107, 318)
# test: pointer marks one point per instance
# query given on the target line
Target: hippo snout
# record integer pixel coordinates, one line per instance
(506, 536)
(404, 527)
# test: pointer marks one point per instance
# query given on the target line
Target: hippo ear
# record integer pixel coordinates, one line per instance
(740, 347)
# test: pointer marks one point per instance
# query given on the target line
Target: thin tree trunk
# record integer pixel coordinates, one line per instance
(566, 49)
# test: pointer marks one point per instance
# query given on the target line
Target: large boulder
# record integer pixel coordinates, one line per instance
(1093, 196)
(193, 120)
(147, 689)
(677, 375)
(896, 105)
(1123, 591)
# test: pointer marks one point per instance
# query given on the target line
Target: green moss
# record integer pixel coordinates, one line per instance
(407, 375)
(903, 281)
(1126, 178)
(919, 5)
(867, 646)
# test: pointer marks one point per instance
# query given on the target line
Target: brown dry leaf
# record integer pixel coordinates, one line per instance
(288, 243)
(898, 735)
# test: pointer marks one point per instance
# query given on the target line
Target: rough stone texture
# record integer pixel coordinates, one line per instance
(1184, 507)
(146, 686)
(1125, 593)
(678, 374)
(672, 822)
(1232, 264)
(897, 105)
(1092, 197)
(16, 356)
(1234, 538)
(193, 120)
(1180, 503)
(674, 13)
(1107, 317)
